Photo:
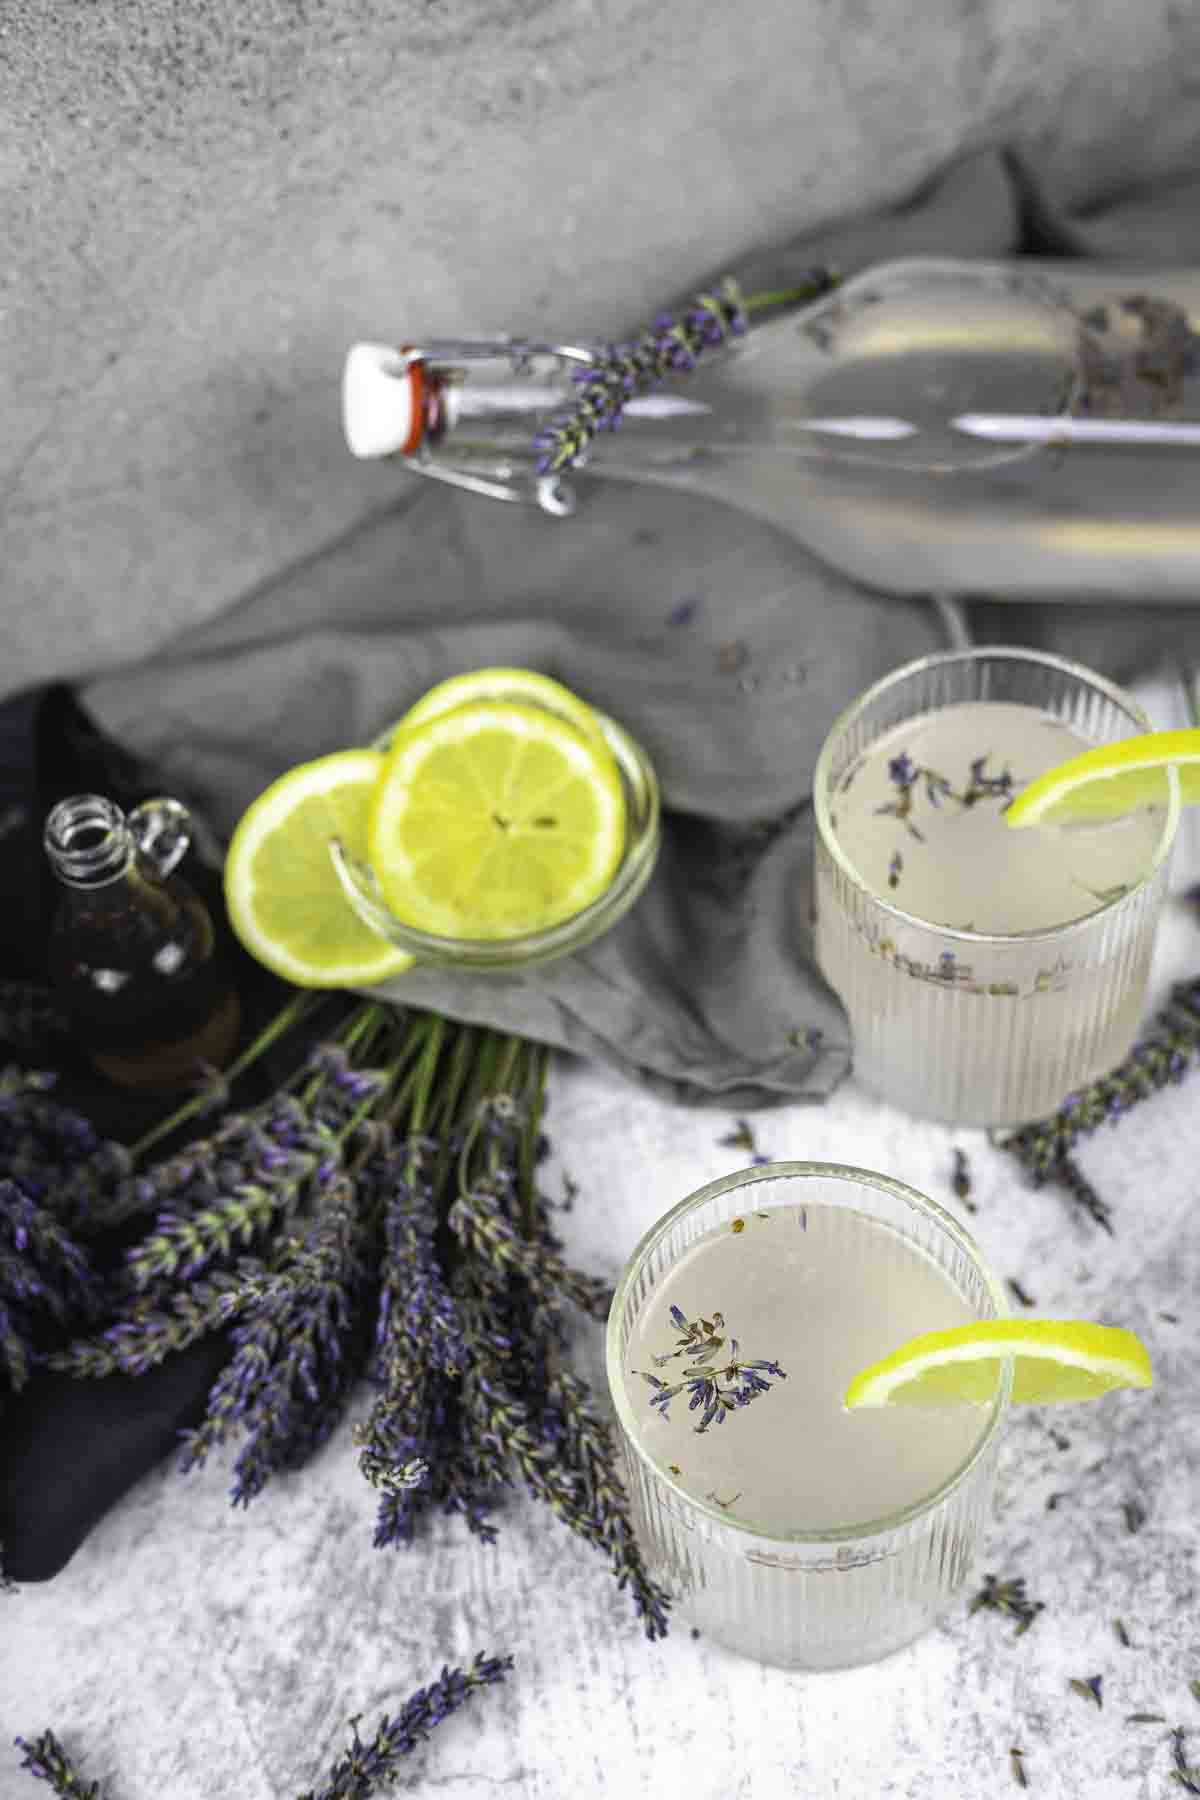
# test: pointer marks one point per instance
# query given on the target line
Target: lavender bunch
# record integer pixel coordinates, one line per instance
(521, 1413)
(378, 1215)
(152, 1327)
(294, 1356)
(231, 1191)
(419, 1351)
(243, 1187)
(672, 346)
(479, 1221)
(584, 1441)
(53, 1154)
(46, 1279)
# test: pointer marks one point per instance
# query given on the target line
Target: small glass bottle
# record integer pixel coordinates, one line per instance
(1007, 429)
(133, 953)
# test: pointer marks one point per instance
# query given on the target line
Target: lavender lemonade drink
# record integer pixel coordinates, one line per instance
(987, 972)
(788, 1527)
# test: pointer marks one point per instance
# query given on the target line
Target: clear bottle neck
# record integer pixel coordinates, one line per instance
(88, 841)
(91, 842)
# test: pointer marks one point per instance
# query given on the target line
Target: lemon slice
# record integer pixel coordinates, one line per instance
(1054, 1360)
(283, 896)
(520, 685)
(493, 820)
(1111, 780)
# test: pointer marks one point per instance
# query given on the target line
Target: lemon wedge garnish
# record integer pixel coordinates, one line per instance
(1054, 1361)
(1111, 780)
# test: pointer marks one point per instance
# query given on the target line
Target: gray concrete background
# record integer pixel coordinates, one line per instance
(204, 201)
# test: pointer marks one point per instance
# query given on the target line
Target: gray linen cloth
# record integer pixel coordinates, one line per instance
(721, 643)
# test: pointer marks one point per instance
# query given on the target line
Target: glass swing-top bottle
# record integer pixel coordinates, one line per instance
(133, 954)
(1013, 429)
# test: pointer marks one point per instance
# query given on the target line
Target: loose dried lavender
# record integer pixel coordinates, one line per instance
(1090, 1687)
(357, 1773)
(719, 1382)
(1008, 1597)
(1163, 1057)
(46, 1760)
(366, 1766)
(960, 1179)
(911, 779)
(1134, 1514)
(742, 1138)
(1187, 1777)
(672, 346)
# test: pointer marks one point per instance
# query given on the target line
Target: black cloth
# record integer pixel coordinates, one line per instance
(70, 1448)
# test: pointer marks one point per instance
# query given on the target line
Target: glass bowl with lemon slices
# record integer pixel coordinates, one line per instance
(500, 823)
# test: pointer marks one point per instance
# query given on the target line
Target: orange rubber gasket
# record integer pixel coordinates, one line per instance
(416, 377)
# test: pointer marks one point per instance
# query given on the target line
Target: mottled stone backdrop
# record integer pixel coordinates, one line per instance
(205, 200)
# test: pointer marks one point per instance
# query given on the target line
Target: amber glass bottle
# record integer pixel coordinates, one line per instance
(134, 956)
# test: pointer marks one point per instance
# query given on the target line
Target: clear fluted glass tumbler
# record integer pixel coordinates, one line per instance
(790, 1529)
(987, 973)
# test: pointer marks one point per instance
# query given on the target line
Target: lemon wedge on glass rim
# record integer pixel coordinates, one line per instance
(1111, 780)
(495, 819)
(282, 892)
(1055, 1361)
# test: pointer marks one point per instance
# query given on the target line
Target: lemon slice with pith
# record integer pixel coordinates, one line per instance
(524, 686)
(1111, 780)
(1054, 1361)
(493, 820)
(282, 893)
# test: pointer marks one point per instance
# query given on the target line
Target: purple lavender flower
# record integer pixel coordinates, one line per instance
(719, 1381)
(368, 1765)
(46, 1280)
(902, 771)
(293, 1360)
(670, 347)
(46, 1760)
(48, 1149)
(419, 1345)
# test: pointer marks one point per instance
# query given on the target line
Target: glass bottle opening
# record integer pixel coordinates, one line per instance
(87, 840)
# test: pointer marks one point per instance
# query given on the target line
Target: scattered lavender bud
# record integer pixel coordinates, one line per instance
(47, 1761)
(1008, 1597)
(366, 1766)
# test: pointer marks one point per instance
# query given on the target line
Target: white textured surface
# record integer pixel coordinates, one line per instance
(193, 1652)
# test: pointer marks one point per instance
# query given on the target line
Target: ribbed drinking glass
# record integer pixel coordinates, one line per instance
(987, 973)
(793, 1531)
